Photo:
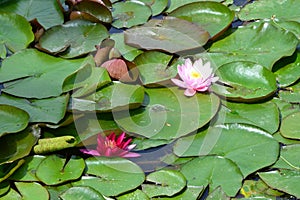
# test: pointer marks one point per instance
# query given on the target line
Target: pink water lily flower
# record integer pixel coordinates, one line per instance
(112, 146)
(195, 77)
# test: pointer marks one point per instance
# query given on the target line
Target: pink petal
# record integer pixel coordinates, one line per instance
(90, 152)
(179, 83)
(189, 92)
(131, 155)
(120, 139)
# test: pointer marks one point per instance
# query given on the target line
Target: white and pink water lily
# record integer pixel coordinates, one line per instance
(195, 77)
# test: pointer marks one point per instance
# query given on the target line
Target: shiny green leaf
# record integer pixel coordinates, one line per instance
(32, 191)
(169, 114)
(178, 3)
(290, 94)
(290, 126)
(288, 158)
(190, 193)
(211, 16)
(165, 183)
(16, 33)
(12, 119)
(248, 147)
(47, 13)
(214, 171)
(74, 38)
(81, 192)
(245, 81)
(135, 195)
(157, 6)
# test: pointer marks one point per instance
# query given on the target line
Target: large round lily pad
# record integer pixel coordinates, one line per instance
(169, 114)
(169, 34)
(211, 16)
(245, 81)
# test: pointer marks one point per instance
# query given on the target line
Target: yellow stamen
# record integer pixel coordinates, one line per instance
(195, 74)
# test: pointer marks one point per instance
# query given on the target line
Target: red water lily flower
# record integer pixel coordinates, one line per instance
(112, 146)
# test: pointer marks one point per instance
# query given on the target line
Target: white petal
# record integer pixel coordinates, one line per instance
(189, 92)
(179, 83)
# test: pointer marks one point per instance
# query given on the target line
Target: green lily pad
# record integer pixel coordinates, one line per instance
(81, 192)
(27, 170)
(174, 4)
(96, 12)
(61, 170)
(169, 114)
(12, 119)
(12, 194)
(263, 49)
(284, 10)
(40, 110)
(211, 16)
(268, 119)
(153, 67)
(284, 180)
(33, 74)
(7, 169)
(247, 146)
(245, 81)
(290, 94)
(47, 13)
(18, 145)
(135, 195)
(288, 158)
(157, 6)
(111, 176)
(290, 127)
(214, 171)
(166, 183)
(16, 33)
(114, 97)
(290, 73)
(32, 191)
(190, 192)
(169, 34)
(292, 26)
(74, 38)
(130, 13)
(128, 52)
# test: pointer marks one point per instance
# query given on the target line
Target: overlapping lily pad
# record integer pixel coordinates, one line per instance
(73, 39)
(290, 128)
(178, 3)
(170, 34)
(47, 13)
(245, 81)
(16, 33)
(33, 74)
(169, 114)
(261, 49)
(211, 16)
(157, 6)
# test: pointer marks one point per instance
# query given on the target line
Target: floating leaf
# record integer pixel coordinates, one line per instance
(135, 195)
(191, 193)
(115, 97)
(290, 73)
(218, 193)
(61, 170)
(111, 176)
(157, 6)
(287, 158)
(7, 169)
(33, 74)
(43, 110)
(169, 114)
(284, 180)
(81, 192)
(290, 94)
(214, 171)
(4, 187)
(128, 52)
(12, 119)
(48, 13)
(153, 67)
(248, 147)
(178, 3)
(290, 126)
(16, 33)
(96, 12)
(27, 171)
(245, 81)
(130, 13)
(170, 34)
(264, 115)
(284, 10)
(18, 145)
(261, 49)
(166, 183)
(211, 16)
(12, 194)
(32, 191)
(74, 38)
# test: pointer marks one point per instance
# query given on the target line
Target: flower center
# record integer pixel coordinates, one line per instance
(110, 143)
(194, 74)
